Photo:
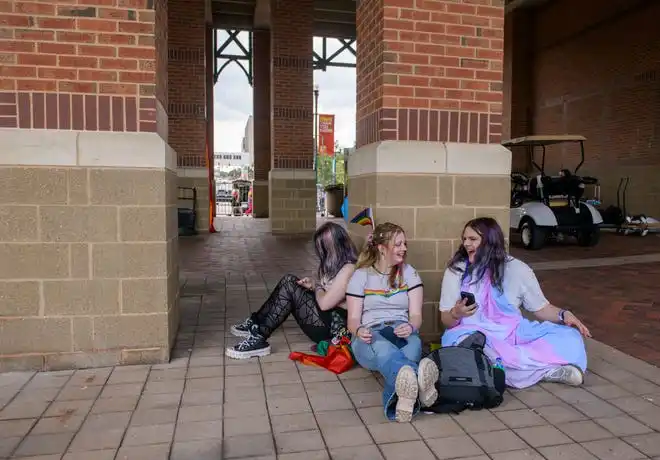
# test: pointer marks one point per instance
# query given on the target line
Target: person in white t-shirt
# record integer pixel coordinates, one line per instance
(550, 349)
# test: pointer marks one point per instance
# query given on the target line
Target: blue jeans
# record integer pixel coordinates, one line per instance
(384, 356)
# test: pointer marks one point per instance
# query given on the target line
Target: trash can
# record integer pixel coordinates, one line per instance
(334, 196)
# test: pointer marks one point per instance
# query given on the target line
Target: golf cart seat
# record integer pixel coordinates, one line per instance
(566, 184)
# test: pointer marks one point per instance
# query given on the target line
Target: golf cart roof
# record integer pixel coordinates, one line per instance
(540, 140)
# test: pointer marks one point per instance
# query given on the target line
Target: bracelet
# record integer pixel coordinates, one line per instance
(561, 316)
(414, 329)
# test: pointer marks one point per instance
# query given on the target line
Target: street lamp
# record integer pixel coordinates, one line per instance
(316, 128)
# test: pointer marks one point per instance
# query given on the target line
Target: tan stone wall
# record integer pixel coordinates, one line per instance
(431, 207)
(89, 272)
(292, 202)
(260, 199)
(197, 178)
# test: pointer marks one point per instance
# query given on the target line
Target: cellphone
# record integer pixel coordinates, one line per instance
(470, 298)
(388, 333)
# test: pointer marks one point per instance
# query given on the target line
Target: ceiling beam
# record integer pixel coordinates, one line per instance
(262, 14)
(321, 29)
(515, 4)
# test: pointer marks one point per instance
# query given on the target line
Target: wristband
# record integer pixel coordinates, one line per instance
(561, 316)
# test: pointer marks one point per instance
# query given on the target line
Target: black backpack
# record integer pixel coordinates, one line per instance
(468, 379)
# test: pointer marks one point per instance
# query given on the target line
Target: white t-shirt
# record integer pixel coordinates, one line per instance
(521, 288)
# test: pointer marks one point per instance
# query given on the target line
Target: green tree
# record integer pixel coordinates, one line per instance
(324, 168)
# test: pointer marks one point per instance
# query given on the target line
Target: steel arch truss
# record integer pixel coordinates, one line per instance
(325, 60)
(243, 58)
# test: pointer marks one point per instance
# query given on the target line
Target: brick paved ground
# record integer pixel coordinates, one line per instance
(619, 304)
(202, 406)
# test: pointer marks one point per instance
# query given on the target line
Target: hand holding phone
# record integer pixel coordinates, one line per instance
(469, 299)
(466, 306)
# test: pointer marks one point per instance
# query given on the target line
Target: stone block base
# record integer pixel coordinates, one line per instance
(260, 199)
(83, 360)
(197, 178)
(431, 190)
(89, 249)
(292, 201)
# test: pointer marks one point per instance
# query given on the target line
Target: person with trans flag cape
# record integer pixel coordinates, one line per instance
(551, 349)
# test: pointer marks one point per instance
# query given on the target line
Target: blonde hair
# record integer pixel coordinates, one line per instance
(382, 234)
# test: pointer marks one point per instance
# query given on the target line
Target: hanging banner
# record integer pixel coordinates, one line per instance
(326, 135)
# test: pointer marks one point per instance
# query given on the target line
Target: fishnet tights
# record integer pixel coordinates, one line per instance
(290, 298)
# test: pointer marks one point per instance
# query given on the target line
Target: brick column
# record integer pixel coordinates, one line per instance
(261, 108)
(88, 240)
(429, 105)
(187, 98)
(518, 77)
(292, 180)
(210, 122)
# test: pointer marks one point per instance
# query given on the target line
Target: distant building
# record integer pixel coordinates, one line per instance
(248, 139)
(226, 161)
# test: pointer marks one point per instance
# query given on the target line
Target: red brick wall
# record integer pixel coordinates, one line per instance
(596, 73)
(186, 69)
(261, 103)
(161, 66)
(292, 84)
(84, 67)
(429, 71)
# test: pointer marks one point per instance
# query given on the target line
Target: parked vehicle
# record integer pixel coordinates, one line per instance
(544, 206)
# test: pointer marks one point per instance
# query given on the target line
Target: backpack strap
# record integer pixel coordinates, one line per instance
(444, 407)
(483, 387)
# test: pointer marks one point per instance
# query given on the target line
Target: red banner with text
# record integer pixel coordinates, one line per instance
(326, 135)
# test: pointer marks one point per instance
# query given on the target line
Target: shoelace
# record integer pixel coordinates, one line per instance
(252, 340)
(245, 325)
(559, 374)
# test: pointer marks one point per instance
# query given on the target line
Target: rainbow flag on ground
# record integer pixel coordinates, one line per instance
(364, 217)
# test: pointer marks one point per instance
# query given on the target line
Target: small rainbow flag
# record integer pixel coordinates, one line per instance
(364, 217)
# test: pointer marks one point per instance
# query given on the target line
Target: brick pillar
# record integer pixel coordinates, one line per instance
(210, 83)
(429, 105)
(89, 273)
(518, 91)
(261, 109)
(187, 98)
(292, 180)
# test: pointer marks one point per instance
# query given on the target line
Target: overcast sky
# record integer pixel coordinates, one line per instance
(233, 100)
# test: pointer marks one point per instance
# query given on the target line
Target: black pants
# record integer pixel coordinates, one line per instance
(289, 298)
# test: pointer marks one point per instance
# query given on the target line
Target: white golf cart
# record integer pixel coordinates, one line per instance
(545, 206)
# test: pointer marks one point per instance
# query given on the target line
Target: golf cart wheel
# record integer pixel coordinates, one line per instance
(533, 237)
(589, 237)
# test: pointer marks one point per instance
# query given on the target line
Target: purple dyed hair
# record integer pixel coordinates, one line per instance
(491, 254)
